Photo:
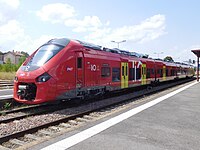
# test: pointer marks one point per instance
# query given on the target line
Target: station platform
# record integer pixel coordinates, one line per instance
(170, 121)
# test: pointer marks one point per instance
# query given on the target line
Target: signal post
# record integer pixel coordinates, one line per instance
(197, 53)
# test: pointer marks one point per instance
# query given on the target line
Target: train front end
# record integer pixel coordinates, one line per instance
(35, 82)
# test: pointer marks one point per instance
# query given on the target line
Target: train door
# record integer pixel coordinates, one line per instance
(124, 75)
(79, 69)
(143, 74)
(164, 73)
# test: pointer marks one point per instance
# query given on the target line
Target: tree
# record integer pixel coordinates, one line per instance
(25, 54)
(1, 67)
(22, 59)
(8, 65)
(168, 59)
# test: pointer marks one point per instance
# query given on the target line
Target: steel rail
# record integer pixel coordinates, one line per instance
(5, 84)
(32, 110)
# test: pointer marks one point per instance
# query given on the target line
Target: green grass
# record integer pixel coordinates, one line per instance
(7, 75)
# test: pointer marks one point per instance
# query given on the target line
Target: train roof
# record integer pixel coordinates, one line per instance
(90, 45)
(127, 53)
(60, 41)
(112, 50)
(65, 41)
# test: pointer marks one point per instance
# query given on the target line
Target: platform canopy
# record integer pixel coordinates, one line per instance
(196, 52)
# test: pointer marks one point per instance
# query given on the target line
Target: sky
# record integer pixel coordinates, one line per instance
(158, 28)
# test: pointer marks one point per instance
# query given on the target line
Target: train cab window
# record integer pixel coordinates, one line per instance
(105, 71)
(44, 54)
(79, 62)
(115, 74)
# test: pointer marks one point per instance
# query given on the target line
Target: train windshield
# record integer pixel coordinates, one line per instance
(44, 54)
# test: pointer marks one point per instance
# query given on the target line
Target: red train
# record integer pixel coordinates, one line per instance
(63, 69)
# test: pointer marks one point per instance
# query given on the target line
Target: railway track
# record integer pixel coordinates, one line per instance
(8, 104)
(24, 111)
(6, 84)
(52, 124)
(30, 110)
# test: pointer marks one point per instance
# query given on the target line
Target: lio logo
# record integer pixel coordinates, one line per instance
(93, 67)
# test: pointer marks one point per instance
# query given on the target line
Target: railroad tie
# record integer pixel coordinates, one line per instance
(95, 115)
(46, 132)
(57, 129)
(88, 117)
(81, 119)
(31, 136)
(66, 125)
(17, 142)
(73, 122)
(4, 148)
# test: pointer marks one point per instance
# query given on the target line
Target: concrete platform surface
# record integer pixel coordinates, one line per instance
(173, 123)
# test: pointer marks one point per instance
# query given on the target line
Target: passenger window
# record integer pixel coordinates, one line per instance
(161, 73)
(115, 74)
(167, 72)
(138, 73)
(105, 71)
(158, 71)
(148, 73)
(131, 73)
(152, 71)
(79, 62)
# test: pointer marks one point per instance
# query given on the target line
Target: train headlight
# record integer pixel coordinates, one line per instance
(43, 78)
(16, 78)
